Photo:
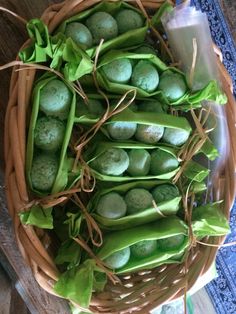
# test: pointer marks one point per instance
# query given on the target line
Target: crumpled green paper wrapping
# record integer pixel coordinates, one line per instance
(61, 53)
(210, 92)
(101, 146)
(149, 118)
(78, 283)
(65, 163)
(208, 220)
(160, 229)
(130, 38)
(163, 209)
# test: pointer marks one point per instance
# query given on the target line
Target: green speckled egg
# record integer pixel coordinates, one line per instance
(150, 106)
(93, 107)
(145, 50)
(118, 71)
(127, 20)
(149, 134)
(121, 130)
(137, 200)
(102, 25)
(118, 259)
(43, 172)
(133, 107)
(55, 99)
(162, 162)
(145, 76)
(139, 162)
(175, 137)
(164, 192)
(80, 34)
(113, 161)
(172, 85)
(143, 248)
(49, 133)
(111, 205)
(171, 243)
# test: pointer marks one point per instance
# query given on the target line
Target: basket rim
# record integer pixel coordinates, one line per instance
(29, 242)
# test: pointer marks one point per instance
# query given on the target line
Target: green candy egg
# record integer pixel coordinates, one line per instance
(133, 107)
(118, 71)
(118, 259)
(43, 171)
(175, 137)
(145, 76)
(171, 243)
(102, 25)
(162, 162)
(149, 134)
(145, 50)
(164, 192)
(143, 248)
(128, 20)
(150, 106)
(113, 161)
(111, 205)
(55, 99)
(121, 130)
(49, 133)
(139, 162)
(137, 200)
(93, 107)
(80, 34)
(172, 85)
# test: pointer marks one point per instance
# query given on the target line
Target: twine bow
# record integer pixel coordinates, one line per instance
(52, 200)
(197, 140)
(91, 223)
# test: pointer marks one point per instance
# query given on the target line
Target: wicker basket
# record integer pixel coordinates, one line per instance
(139, 292)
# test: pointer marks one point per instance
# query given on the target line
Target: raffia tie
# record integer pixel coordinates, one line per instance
(158, 209)
(196, 141)
(87, 137)
(91, 223)
(34, 66)
(87, 181)
(155, 31)
(99, 262)
(120, 106)
(18, 17)
(52, 200)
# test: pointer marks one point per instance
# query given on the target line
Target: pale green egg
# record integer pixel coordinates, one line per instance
(137, 200)
(118, 259)
(43, 172)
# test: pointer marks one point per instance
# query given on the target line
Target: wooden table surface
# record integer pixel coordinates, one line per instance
(12, 36)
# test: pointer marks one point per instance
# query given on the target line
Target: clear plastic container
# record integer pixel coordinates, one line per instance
(185, 26)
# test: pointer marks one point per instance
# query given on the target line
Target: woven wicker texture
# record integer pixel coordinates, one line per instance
(139, 292)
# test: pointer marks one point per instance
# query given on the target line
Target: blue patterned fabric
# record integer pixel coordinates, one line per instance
(220, 33)
(222, 290)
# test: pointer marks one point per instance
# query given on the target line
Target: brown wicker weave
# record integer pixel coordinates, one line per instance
(139, 292)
